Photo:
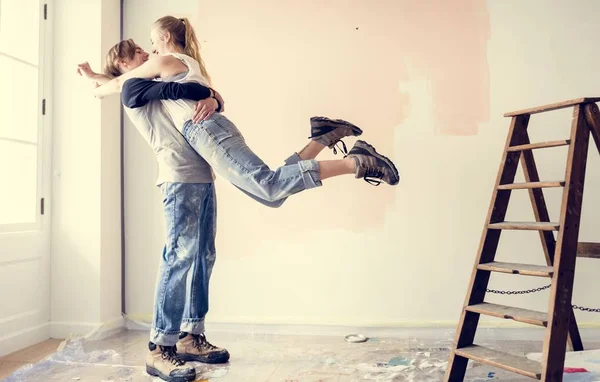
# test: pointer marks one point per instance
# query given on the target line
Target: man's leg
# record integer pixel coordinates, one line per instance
(193, 345)
(180, 202)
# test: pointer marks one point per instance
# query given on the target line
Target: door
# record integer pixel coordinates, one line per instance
(24, 174)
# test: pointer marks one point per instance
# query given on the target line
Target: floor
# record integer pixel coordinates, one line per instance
(267, 357)
(33, 354)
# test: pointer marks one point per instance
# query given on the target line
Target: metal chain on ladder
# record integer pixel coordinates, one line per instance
(527, 291)
(584, 309)
(519, 291)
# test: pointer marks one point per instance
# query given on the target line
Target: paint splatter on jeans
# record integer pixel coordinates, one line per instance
(181, 300)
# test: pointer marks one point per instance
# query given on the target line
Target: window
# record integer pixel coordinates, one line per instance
(21, 55)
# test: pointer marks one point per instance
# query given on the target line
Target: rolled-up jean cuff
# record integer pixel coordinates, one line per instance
(161, 338)
(311, 174)
(293, 159)
(192, 325)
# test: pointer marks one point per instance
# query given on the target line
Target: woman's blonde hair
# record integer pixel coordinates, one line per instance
(182, 34)
(121, 51)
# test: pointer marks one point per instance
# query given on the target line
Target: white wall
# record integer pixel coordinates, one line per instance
(85, 266)
(110, 173)
(429, 89)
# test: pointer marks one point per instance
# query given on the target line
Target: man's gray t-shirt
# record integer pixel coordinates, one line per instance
(177, 160)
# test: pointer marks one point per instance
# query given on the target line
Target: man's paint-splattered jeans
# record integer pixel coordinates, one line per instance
(181, 300)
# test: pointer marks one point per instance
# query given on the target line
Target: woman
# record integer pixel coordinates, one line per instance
(221, 144)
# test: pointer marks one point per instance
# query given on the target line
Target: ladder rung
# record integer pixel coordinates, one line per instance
(588, 250)
(532, 226)
(518, 269)
(553, 106)
(521, 186)
(541, 145)
(526, 316)
(515, 364)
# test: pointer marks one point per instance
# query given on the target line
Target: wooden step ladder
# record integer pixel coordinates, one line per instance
(560, 254)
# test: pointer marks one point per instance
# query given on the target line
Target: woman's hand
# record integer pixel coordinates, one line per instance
(204, 109)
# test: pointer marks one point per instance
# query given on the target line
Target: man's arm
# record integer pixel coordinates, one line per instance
(137, 92)
(85, 70)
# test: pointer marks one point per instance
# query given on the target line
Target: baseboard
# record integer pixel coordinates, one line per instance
(89, 330)
(70, 329)
(143, 321)
(24, 338)
(67, 330)
(441, 331)
(138, 322)
(441, 334)
(107, 329)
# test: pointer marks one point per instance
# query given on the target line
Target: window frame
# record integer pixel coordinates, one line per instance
(43, 158)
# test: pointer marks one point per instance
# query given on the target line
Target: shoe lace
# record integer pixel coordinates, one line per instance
(373, 176)
(342, 149)
(169, 353)
(200, 342)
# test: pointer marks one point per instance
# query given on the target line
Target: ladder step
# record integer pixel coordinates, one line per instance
(515, 364)
(588, 250)
(541, 145)
(521, 186)
(525, 316)
(532, 226)
(553, 106)
(518, 269)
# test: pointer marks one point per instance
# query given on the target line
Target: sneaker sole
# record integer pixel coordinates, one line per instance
(197, 358)
(156, 373)
(382, 157)
(335, 123)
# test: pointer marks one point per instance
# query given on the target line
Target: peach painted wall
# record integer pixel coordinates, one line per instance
(428, 83)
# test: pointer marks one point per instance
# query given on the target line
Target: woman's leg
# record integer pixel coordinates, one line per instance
(310, 151)
(221, 144)
(327, 168)
(327, 132)
(332, 168)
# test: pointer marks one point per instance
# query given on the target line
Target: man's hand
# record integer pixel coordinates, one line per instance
(86, 71)
(221, 100)
(204, 109)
